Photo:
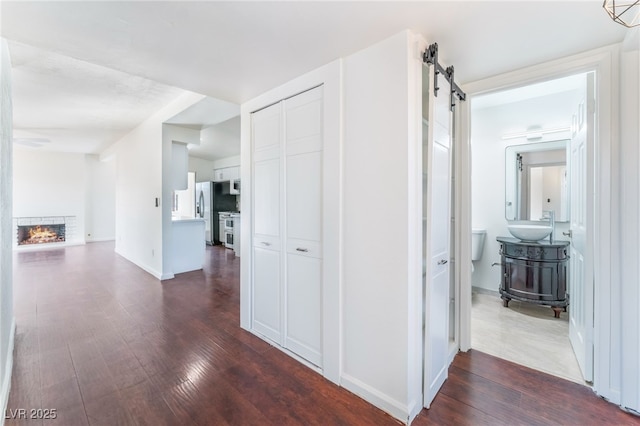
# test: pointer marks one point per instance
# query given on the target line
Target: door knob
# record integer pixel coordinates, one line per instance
(442, 262)
(568, 234)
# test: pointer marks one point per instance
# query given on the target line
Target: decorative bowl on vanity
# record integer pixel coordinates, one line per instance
(529, 230)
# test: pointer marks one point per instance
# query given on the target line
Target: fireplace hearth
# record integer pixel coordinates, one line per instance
(41, 234)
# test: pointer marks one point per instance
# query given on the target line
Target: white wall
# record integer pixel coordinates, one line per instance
(488, 168)
(100, 199)
(626, 313)
(227, 162)
(66, 184)
(170, 164)
(7, 324)
(377, 287)
(202, 168)
(221, 140)
(50, 184)
(143, 175)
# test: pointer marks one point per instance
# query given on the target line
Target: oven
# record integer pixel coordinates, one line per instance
(227, 231)
(228, 239)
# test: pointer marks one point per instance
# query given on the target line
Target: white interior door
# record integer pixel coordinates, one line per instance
(436, 211)
(581, 260)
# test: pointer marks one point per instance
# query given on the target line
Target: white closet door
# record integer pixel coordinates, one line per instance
(267, 259)
(303, 189)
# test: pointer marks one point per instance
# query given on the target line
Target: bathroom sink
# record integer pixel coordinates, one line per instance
(529, 230)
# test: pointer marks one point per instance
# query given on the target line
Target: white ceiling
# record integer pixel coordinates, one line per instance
(236, 50)
(77, 106)
(219, 141)
(571, 83)
(206, 113)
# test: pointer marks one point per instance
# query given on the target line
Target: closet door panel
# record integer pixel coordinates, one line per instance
(267, 305)
(304, 307)
(304, 196)
(303, 122)
(266, 210)
(266, 130)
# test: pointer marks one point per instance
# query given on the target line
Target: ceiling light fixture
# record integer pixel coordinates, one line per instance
(626, 12)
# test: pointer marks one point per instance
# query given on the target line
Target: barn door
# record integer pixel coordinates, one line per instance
(436, 222)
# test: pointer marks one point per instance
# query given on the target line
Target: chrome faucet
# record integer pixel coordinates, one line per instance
(550, 215)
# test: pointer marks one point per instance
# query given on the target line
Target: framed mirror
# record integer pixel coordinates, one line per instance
(536, 180)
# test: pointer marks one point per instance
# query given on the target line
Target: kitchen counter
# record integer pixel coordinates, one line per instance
(187, 244)
(186, 219)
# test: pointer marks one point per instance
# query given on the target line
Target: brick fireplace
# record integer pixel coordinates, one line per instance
(41, 234)
(46, 230)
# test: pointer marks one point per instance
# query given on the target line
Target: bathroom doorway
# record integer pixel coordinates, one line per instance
(532, 127)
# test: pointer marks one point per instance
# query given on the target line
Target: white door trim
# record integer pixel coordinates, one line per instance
(605, 62)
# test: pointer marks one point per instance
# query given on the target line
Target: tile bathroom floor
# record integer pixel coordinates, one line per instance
(523, 333)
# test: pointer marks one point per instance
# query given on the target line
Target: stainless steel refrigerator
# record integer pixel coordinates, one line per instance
(211, 198)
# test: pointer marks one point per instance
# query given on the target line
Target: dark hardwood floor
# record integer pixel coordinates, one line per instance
(104, 343)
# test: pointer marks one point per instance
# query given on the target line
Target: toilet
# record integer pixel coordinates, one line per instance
(477, 243)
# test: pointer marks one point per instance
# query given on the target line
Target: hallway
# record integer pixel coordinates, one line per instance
(103, 343)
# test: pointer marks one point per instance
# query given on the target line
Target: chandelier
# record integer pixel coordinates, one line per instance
(625, 12)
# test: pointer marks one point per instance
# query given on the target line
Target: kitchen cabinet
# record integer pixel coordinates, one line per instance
(226, 174)
(187, 244)
(287, 223)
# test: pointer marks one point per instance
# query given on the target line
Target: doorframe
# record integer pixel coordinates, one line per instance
(605, 62)
(330, 77)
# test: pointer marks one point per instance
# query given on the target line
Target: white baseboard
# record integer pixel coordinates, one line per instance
(415, 407)
(377, 398)
(166, 276)
(146, 268)
(482, 290)
(99, 240)
(6, 384)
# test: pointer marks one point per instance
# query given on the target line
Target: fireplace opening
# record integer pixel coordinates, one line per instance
(40, 234)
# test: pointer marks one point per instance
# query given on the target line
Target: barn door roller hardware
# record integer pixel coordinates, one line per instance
(430, 57)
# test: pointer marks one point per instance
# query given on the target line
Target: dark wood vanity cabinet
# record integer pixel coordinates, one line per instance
(534, 272)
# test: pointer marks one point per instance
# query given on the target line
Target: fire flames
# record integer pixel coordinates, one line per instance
(39, 234)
